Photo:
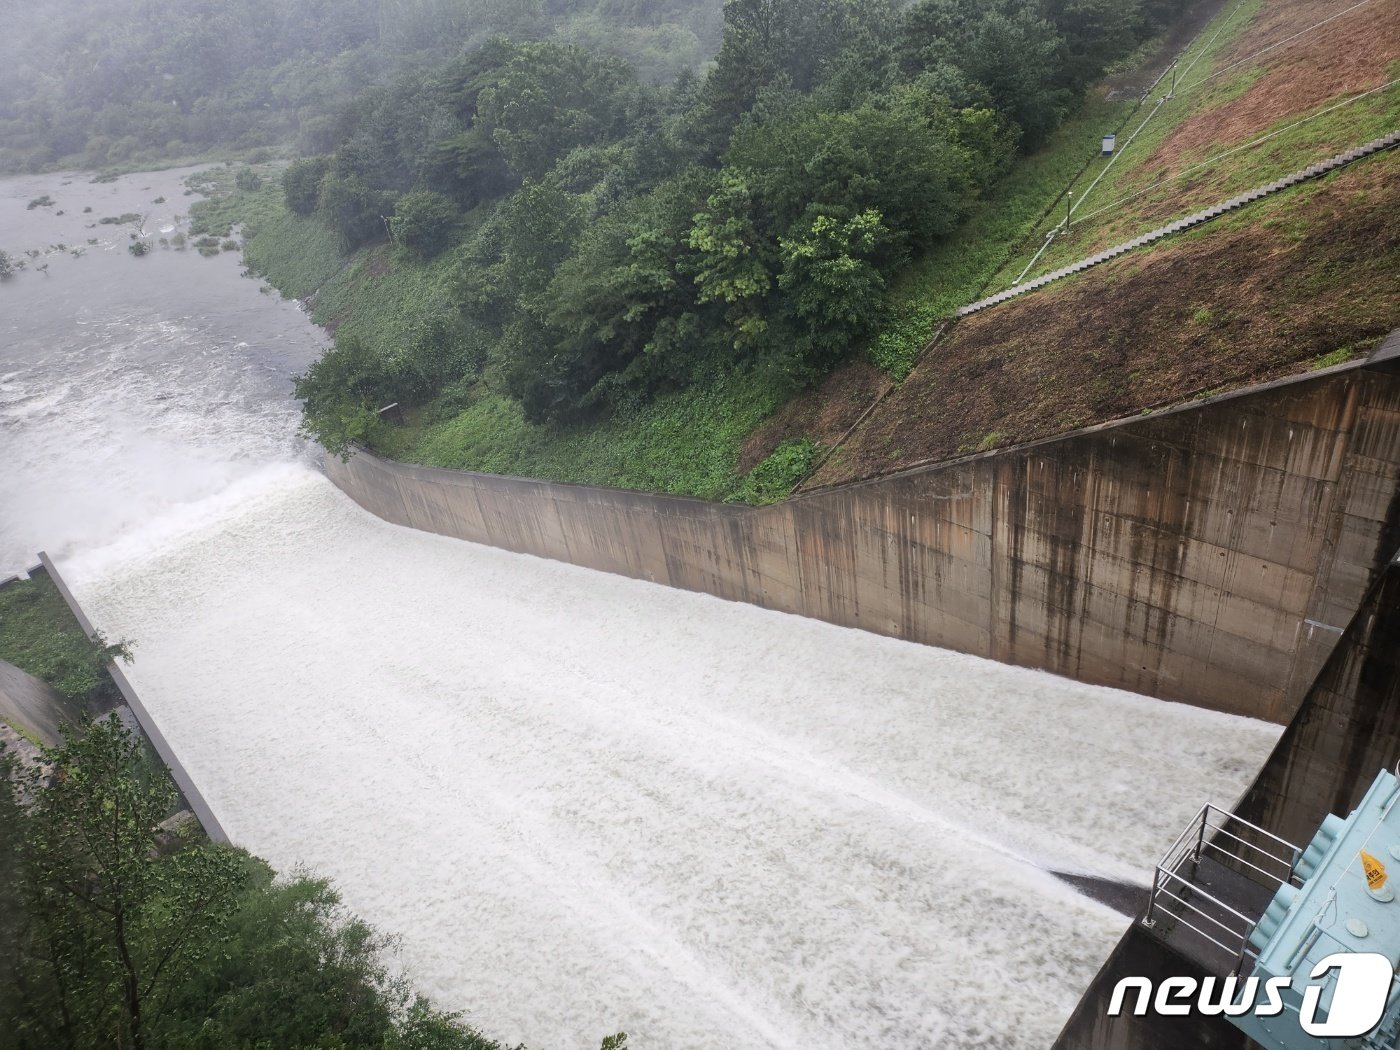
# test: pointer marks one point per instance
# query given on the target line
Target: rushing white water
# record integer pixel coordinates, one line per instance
(587, 803)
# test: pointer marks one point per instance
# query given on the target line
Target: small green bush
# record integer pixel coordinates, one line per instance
(775, 478)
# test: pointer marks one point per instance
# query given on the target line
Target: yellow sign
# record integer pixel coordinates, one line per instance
(1375, 871)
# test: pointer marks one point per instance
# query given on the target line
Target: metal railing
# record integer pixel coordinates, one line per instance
(1263, 858)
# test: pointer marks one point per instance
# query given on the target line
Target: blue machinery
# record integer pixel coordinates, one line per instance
(1295, 936)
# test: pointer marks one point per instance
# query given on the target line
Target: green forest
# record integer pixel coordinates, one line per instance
(592, 240)
(596, 242)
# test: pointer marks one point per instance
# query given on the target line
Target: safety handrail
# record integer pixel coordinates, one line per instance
(1214, 829)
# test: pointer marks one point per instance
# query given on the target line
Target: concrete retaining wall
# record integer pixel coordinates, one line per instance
(144, 721)
(1208, 554)
(34, 706)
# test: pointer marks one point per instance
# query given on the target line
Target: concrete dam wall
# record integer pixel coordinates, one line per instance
(1209, 554)
(1347, 727)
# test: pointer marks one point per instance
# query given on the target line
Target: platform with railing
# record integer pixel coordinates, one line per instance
(1214, 885)
(1237, 899)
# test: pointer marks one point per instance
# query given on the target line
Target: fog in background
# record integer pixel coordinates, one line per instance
(132, 83)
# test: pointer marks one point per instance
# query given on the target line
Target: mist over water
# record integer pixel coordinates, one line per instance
(585, 803)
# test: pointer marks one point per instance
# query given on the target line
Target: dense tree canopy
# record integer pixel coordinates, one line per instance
(614, 239)
(616, 221)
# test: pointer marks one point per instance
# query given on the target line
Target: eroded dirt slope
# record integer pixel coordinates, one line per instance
(1256, 297)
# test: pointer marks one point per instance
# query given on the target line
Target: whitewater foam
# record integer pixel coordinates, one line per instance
(589, 803)
(584, 803)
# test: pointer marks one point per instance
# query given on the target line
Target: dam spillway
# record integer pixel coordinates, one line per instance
(589, 803)
(584, 803)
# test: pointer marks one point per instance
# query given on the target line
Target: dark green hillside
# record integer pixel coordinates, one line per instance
(616, 282)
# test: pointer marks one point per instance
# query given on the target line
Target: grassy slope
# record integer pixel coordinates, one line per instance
(686, 442)
(956, 271)
(1210, 115)
(39, 635)
(1305, 279)
(298, 256)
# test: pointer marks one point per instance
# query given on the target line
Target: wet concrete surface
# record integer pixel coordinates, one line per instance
(34, 706)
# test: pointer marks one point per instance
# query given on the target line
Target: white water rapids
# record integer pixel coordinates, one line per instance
(584, 803)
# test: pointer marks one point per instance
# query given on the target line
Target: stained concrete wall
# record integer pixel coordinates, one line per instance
(1208, 554)
(1347, 728)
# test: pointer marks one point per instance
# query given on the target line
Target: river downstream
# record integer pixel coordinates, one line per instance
(584, 803)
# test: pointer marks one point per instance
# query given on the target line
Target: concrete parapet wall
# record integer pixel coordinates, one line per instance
(144, 721)
(1208, 554)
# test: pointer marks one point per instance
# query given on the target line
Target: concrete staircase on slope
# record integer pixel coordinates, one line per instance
(1313, 171)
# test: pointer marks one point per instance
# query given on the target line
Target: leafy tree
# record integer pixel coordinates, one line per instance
(469, 168)
(110, 931)
(424, 222)
(356, 212)
(341, 394)
(772, 41)
(832, 282)
(1006, 46)
(301, 183)
(1094, 32)
(550, 98)
(734, 258)
(624, 304)
(901, 159)
(507, 265)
